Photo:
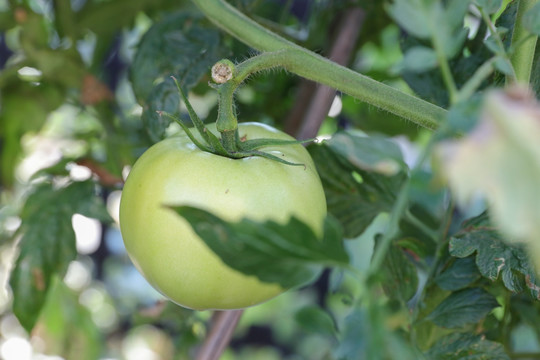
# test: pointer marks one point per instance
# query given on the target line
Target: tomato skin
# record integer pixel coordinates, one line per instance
(163, 246)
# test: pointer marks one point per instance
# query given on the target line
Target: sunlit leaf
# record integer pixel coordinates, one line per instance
(500, 160)
(289, 254)
(463, 307)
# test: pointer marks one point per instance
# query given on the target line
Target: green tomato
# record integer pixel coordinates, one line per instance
(164, 247)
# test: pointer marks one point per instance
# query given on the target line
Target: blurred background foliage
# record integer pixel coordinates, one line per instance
(80, 81)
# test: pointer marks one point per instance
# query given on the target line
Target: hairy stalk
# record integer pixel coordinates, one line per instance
(317, 68)
(523, 44)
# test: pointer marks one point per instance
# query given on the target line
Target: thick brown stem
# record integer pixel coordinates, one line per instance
(222, 328)
(341, 52)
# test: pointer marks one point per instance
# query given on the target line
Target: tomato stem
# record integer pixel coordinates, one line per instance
(312, 66)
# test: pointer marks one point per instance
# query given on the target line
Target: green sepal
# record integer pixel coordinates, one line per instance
(244, 154)
(212, 144)
(208, 136)
(197, 143)
(249, 145)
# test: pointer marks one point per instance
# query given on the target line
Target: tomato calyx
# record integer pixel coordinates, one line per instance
(230, 144)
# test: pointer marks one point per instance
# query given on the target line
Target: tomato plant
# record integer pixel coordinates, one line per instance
(407, 230)
(175, 172)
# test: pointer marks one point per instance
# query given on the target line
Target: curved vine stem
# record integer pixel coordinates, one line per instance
(317, 68)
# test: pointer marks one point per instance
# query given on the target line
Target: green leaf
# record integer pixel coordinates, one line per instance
(424, 191)
(289, 254)
(365, 335)
(314, 319)
(500, 161)
(430, 85)
(413, 16)
(492, 45)
(465, 346)
(400, 275)
(459, 275)
(419, 59)
(464, 116)
(355, 192)
(463, 307)
(47, 244)
(430, 20)
(494, 257)
(531, 20)
(181, 44)
(371, 153)
(164, 97)
(489, 6)
(503, 65)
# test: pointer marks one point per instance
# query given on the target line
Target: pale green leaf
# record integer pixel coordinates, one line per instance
(500, 160)
(531, 20)
(419, 59)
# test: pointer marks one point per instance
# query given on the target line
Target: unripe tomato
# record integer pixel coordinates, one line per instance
(162, 244)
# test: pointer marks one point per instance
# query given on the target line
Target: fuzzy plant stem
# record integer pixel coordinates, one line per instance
(319, 69)
(523, 55)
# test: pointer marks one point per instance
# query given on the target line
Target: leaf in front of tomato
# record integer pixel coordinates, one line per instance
(495, 257)
(463, 307)
(355, 192)
(463, 346)
(289, 254)
(47, 243)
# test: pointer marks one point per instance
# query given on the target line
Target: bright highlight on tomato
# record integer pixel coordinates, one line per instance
(163, 246)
